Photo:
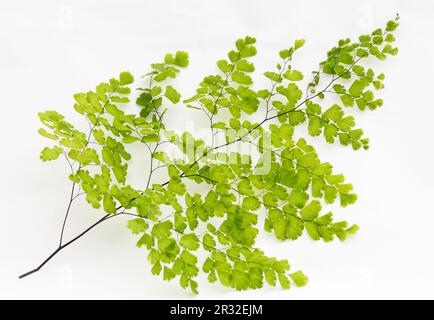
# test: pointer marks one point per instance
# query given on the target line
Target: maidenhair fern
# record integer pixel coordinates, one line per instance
(280, 180)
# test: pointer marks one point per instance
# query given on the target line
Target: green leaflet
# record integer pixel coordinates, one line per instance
(125, 78)
(210, 202)
(137, 225)
(48, 154)
(172, 94)
(180, 59)
(190, 241)
(293, 75)
(311, 211)
(299, 278)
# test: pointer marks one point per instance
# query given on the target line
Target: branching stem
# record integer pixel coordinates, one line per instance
(62, 245)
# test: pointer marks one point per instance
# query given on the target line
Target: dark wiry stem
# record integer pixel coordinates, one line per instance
(61, 247)
(71, 199)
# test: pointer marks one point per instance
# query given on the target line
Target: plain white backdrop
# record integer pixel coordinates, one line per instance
(52, 49)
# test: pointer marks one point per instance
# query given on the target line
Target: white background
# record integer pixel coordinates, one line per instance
(52, 49)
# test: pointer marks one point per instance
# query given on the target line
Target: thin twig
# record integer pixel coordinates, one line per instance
(71, 199)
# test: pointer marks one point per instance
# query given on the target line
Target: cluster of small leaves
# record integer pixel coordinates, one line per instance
(173, 224)
(354, 85)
